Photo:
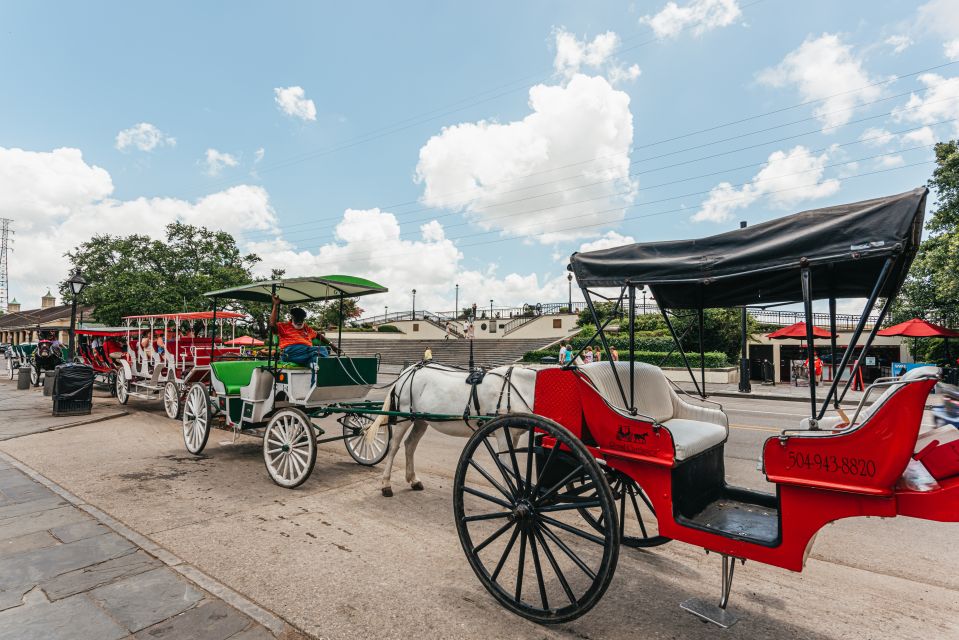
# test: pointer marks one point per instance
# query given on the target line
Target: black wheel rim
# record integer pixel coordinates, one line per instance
(520, 520)
(635, 512)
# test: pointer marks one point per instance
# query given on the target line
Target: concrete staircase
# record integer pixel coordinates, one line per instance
(488, 352)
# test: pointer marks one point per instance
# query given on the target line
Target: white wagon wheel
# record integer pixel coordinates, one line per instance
(11, 367)
(366, 448)
(35, 374)
(171, 400)
(122, 387)
(519, 518)
(289, 447)
(196, 418)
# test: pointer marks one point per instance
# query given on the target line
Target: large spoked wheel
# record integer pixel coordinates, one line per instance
(289, 447)
(519, 518)
(122, 387)
(11, 368)
(366, 448)
(196, 418)
(171, 400)
(637, 517)
(35, 375)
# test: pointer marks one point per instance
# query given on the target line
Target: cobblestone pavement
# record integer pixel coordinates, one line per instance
(64, 574)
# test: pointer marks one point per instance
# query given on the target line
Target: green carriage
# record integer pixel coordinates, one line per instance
(279, 400)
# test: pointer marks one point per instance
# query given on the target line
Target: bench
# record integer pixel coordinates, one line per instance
(694, 429)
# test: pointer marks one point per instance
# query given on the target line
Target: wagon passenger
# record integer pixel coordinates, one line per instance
(296, 337)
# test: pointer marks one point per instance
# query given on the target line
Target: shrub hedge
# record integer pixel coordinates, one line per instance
(713, 359)
(388, 328)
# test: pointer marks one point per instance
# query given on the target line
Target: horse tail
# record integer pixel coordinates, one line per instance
(381, 419)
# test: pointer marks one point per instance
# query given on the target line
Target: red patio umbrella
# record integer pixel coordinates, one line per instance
(798, 332)
(919, 328)
(246, 341)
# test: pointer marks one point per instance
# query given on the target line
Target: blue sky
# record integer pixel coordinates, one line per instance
(421, 126)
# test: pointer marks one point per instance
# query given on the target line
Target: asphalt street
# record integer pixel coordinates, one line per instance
(337, 560)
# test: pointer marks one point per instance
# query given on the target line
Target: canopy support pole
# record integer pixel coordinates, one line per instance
(862, 356)
(339, 332)
(702, 353)
(600, 331)
(832, 341)
(269, 332)
(632, 347)
(860, 326)
(682, 351)
(806, 276)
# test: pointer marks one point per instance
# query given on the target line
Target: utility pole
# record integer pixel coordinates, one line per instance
(4, 264)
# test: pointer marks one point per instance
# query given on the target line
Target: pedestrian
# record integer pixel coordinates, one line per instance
(597, 355)
(588, 355)
(614, 354)
(428, 355)
(816, 368)
(562, 352)
(470, 331)
(448, 330)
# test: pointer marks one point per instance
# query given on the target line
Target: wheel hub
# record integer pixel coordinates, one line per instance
(522, 512)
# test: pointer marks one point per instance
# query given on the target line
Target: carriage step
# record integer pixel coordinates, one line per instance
(709, 612)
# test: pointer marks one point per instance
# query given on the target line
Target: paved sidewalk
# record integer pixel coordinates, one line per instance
(64, 574)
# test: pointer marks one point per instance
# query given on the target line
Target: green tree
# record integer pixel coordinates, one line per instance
(137, 275)
(328, 314)
(931, 290)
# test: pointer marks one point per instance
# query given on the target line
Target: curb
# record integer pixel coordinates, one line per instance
(272, 622)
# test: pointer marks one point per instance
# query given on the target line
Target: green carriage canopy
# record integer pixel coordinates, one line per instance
(306, 289)
(845, 246)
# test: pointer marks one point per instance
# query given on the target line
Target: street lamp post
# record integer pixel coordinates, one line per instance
(386, 313)
(413, 312)
(456, 307)
(569, 279)
(77, 282)
(744, 384)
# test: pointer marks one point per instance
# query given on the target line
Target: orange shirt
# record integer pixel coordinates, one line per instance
(291, 335)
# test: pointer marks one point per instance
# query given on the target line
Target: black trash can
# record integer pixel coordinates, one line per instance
(73, 390)
(23, 377)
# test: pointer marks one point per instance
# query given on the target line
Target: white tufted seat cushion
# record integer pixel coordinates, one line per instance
(694, 429)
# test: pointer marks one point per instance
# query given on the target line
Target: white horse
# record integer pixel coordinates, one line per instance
(439, 390)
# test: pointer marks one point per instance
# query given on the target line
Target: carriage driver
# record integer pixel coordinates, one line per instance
(296, 337)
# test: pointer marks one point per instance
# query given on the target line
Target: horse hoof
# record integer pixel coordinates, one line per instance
(417, 486)
(387, 492)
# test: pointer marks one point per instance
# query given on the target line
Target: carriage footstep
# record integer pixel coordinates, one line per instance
(709, 612)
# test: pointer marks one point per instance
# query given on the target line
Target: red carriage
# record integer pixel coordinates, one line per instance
(616, 455)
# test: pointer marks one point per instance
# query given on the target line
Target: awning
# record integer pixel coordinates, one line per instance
(105, 332)
(244, 341)
(187, 315)
(845, 247)
(295, 290)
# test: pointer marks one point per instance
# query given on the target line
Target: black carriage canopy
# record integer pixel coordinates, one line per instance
(297, 290)
(845, 247)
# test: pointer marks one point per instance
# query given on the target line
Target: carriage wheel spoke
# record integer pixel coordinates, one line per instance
(529, 458)
(567, 506)
(622, 515)
(502, 560)
(496, 534)
(555, 566)
(576, 532)
(487, 516)
(569, 552)
(639, 515)
(521, 566)
(486, 496)
(521, 484)
(501, 467)
(542, 472)
(562, 483)
(490, 479)
(539, 570)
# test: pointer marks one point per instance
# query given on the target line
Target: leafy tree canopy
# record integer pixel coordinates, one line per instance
(137, 275)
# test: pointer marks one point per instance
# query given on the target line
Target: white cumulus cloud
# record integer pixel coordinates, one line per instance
(143, 136)
(940, 101)
(611, 239)
(215, 161)
(899, 43)
(496, 173)
(58, 201)
(941, 18)
(788, 178)
(701, 15)
(293, 102)
(825, 69)
(574, 56)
